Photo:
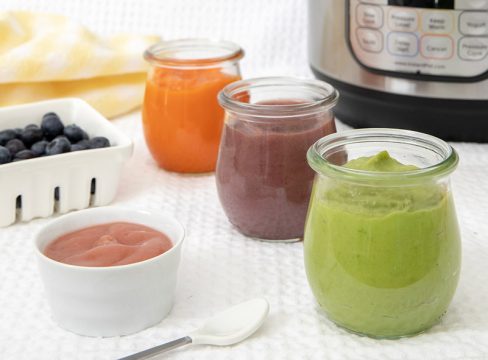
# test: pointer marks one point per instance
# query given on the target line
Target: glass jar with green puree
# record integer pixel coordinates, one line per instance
(382, 244)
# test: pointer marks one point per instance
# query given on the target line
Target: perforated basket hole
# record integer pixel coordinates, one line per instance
(93, 190)
(57, 195)
(18, 208)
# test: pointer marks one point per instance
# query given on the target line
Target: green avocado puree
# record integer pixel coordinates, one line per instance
(380, 162)
(382, 260)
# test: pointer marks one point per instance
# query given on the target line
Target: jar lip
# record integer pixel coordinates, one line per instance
(164, 53)
(327, 96)
(445, 166)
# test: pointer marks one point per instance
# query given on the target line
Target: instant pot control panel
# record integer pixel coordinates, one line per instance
(445, 38)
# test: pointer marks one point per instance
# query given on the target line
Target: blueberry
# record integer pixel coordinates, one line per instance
(32, 134)
(24, 155)
(5, 156)
(39, 148)
(6, 136)
(18, 133)
(76, 147)
(14, 146)
(62, 137)
(58, 146)
(51, 125)
(85, 143)
(99, 142)
(80, 145)
(74, 133)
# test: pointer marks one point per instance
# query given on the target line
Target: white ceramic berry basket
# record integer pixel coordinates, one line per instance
(32, 183)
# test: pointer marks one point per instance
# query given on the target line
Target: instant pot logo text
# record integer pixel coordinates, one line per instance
(419, 65)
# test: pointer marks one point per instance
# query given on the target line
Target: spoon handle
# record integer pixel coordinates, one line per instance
(145, 354)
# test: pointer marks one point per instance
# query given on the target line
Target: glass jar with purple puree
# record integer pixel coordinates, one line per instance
(263, 180)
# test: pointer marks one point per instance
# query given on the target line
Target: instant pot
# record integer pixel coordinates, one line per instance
(413, 64)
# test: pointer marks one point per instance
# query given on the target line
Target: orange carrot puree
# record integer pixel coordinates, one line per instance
(182, 118)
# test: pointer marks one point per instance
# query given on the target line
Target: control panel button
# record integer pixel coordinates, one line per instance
(473, 23)
(370, 40)
(473, 48)
(471, 4)
(403, 20)
(370, 16)
(437, 47)
(437, 22)
(402, 44)
(447, 38)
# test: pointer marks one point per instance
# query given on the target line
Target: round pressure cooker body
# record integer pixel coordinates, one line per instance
(413, 64)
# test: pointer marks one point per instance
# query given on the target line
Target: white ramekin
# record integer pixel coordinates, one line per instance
(36, 181)
(116, 300)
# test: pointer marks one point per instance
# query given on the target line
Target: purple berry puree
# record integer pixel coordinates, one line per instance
(263, 179)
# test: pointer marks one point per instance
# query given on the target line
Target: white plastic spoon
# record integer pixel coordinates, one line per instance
(226, 328)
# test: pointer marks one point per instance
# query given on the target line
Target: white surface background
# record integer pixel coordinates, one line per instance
(220, 267)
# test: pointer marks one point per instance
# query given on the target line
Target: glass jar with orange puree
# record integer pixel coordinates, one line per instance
(181, 116)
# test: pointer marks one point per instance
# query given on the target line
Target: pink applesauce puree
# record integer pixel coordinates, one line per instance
(117, 243)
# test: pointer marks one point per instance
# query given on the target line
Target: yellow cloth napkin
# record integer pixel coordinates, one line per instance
(46, 56)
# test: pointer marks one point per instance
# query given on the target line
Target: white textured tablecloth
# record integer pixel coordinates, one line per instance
(220, 267)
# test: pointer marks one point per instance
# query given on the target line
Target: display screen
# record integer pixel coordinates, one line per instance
(430, 4)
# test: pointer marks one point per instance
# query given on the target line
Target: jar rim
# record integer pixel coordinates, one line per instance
(327, 96)
(164, 53)
(316, 160)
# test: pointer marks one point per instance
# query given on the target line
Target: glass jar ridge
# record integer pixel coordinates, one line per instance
(193, 53)
(323, 159)
(321, 96)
